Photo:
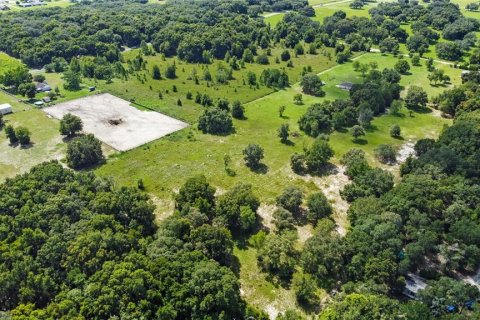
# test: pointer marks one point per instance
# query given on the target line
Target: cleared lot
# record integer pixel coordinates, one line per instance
(115, 122)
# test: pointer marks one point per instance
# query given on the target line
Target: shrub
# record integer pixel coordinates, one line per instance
(215, 121)
(70, 125)
(385, 153)
(83, 152)
(23, 135)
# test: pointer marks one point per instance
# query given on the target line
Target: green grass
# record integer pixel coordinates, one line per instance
(49, 4)
(166, 163)
(145, 90)
(8, 63)
(46, 144)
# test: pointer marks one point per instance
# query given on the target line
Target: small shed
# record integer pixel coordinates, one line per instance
(38, 103)
(46, 99)
(92, 88)
(5, 108)
(345, 86)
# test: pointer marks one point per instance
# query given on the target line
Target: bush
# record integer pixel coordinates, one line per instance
(262, 59)
(70, 125)
(318, 155)
(215, 121)
(238, 111)
(285, 55)
(318, 207)
(253, 153)
(297, 163)
(283, 220)
(23, 135)
(10, 133)
(290, 199)
(402, 66)
(83, 152)
(395, 131)
(312, 85)
(385, 153)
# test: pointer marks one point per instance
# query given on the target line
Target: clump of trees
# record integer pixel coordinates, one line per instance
(84, 151)
(215, 121)
(70, 125)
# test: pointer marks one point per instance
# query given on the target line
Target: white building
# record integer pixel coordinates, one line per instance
(5, 108)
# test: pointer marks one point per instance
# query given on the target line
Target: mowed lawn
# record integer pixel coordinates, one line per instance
(165, 164)
(46, 144)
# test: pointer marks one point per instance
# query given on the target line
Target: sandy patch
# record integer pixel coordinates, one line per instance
(115, 122)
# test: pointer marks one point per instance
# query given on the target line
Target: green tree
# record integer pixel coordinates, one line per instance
(23, 135)
(357, 131)
(395, 131)
(416, 98)
(252, 155)
(304, 287)
(283, 220)
(385, 153)
(283, 132)
(281, 110)
(318, 207)
(84, 151)
(10, 133)
(215, 121)
(71, 80)
(196, 192)
(171, 71)
(156, 74)
(278, 256)
(291, 199)
(395, 107)
(238, 110)
(70, 125)
(318, 155)
(312, 85)
(402, 66)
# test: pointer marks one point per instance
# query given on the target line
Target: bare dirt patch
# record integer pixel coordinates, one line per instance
(115, 122)
(331, 186)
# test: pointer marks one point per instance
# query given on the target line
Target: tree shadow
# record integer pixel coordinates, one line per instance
(235, 265)
(284, 117)
(361, 142)
(289, 142)
(398, 138)
(371, 128)
(261, 168)
(342, 130)
(424, 110)
(27, 146)
(327, 170)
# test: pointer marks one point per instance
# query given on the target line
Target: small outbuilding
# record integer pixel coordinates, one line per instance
(345, 86)
(5, 108)
(47, 99)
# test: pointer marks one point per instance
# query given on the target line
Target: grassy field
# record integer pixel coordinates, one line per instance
(145, 90)
(165, 164)
(8, 63)
(53, 3)
(46, 144)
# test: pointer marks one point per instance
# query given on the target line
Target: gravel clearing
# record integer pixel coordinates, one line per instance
(115, 122)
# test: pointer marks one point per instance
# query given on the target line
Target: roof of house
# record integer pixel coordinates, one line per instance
(345, 85)
(42, 86)
(5, 106)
